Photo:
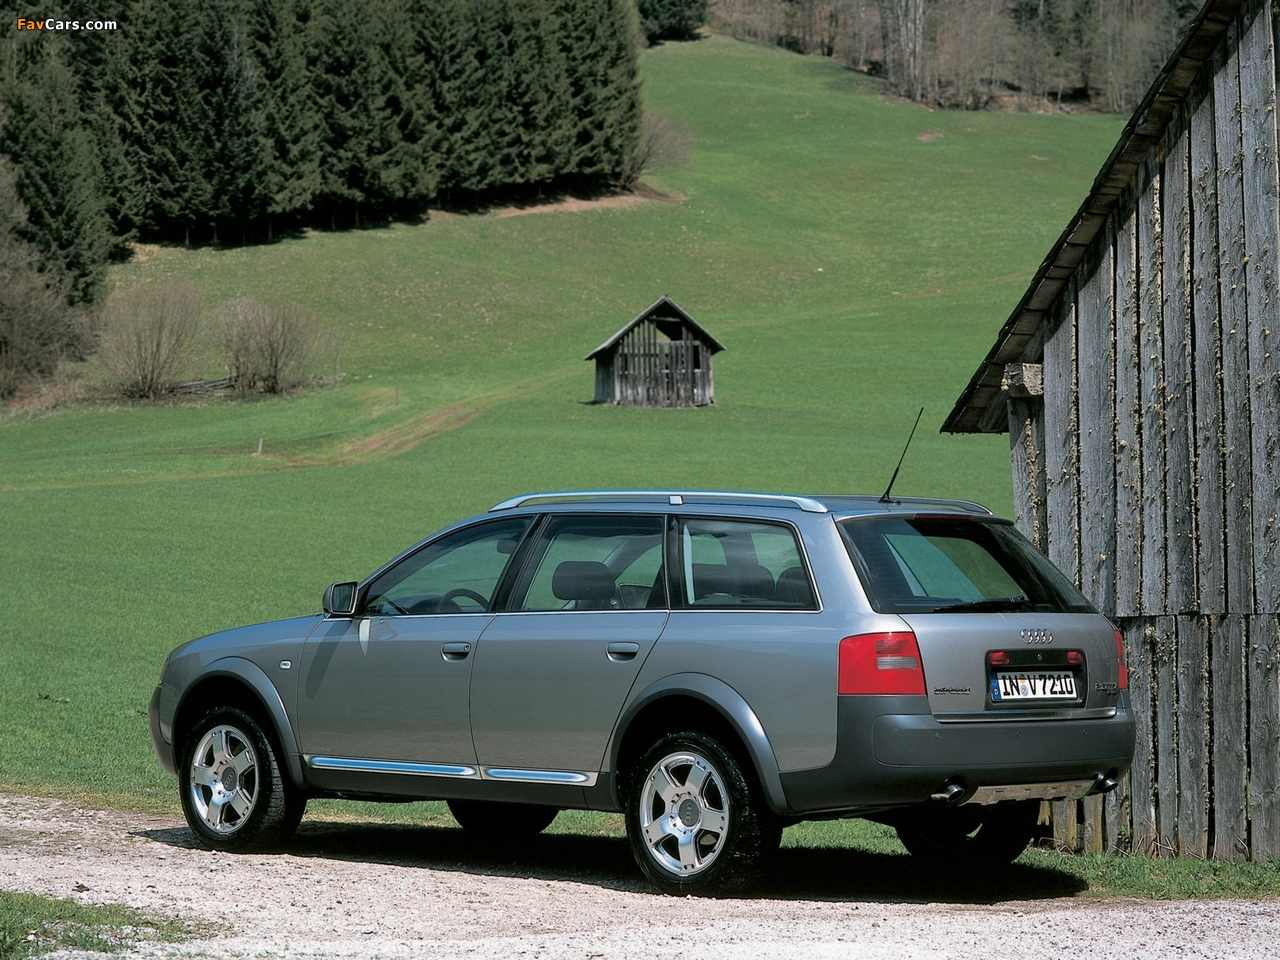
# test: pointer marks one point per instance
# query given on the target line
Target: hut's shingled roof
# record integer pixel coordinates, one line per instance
(667, 316)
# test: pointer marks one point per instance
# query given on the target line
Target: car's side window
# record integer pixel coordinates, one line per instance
(458, 573)
(741, 563)
(596, 563)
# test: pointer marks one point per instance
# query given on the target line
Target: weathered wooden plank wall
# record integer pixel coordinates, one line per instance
(1161, 465)
(649, 370)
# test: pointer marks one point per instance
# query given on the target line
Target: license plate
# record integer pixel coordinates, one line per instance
(1043, 685)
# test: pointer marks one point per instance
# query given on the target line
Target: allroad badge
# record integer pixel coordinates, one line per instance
(1037, 636)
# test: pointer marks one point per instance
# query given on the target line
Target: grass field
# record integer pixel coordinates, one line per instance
(856, 255)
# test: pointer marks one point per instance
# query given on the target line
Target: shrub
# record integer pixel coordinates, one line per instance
(271, 348)
(671, 19)
(149, 338)
(663, 143)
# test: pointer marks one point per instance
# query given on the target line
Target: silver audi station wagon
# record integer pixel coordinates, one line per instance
(714, 665)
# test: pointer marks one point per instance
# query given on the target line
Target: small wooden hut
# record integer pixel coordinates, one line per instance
(662, 358)
(1139, 380)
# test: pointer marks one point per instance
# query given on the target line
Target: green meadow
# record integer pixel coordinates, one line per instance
(856, 256)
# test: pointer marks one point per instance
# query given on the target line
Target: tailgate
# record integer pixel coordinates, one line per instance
(1004, 665)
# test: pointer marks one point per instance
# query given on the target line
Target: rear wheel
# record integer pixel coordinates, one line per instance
(695, 821)
(983, 836)
(235, 794)
(491, 819)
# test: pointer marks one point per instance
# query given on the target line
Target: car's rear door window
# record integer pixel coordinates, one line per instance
(595, 563)
(742, 563)
(914, 564)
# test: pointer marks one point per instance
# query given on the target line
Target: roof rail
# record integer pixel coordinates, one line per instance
(673, 497)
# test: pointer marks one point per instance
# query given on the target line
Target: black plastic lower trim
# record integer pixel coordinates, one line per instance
(891, 751)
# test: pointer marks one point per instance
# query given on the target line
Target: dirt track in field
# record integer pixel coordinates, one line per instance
(374, 890)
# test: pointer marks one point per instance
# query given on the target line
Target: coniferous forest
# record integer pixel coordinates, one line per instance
(232, 121)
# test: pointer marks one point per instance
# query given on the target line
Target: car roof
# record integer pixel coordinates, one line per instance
(840, 506)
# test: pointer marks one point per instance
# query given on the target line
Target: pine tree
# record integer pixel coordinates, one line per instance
(231, 102)
(671, 19)
(281, 36)
(37, 328)
(58, 174)
(158, 108)
(455, 86)
(356, 93)
(538, 91)
(599, 46)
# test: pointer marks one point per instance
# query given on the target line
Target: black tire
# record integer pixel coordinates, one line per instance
(235, 794)
(696, 820)
(491, 819)
(974, 836)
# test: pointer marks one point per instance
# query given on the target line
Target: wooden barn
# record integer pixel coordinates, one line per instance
(662, 358)
(1139, 381)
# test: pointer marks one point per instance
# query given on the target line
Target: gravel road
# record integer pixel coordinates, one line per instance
(374, 890)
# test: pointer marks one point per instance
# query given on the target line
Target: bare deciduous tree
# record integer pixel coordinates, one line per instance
(272, 348)
(663, 143)
(970, 53)
(150, 336)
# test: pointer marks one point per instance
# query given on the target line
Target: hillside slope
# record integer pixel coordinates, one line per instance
(855, 255)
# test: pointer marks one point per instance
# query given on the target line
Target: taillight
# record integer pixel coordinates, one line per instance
(1075, 657)
(999, 658)
(1123, 675)
(881, 663)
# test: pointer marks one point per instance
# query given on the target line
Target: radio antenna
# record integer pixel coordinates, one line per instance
(885, 498)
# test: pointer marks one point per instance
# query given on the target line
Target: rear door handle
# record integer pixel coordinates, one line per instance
(455, 651)
(621, 652)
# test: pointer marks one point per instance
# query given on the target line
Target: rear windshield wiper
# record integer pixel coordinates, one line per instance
(991, 603)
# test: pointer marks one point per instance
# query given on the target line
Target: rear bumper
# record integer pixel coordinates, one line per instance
(892, 752)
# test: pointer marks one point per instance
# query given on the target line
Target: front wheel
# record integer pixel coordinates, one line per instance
(695, 821)
(234, 793)
(977, 836)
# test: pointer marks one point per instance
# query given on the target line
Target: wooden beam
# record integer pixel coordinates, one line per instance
(1193, 736)
(1230, 737)
(1062, 451)
(1097, 433)
(1179, 518)
(1150, 389)
(1023, 380)
(1262, 250)
(1128, 452)
(1233, 281)
(1206, 389)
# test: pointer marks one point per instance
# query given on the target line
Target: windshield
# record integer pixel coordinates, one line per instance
(918, 564)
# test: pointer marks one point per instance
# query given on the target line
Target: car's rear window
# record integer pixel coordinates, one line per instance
(917, 564)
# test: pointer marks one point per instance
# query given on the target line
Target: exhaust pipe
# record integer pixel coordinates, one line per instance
(1107, 782)
(948, 793)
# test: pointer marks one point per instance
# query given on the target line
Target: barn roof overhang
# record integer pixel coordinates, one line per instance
(668, 316)
(981, 407)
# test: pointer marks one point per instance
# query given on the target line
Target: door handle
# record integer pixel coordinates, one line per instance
(455, 651)
(621, 652)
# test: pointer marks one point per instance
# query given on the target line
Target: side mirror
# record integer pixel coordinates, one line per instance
(340, 599)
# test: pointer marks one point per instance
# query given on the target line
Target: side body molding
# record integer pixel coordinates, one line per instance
(729, 704)
(249, 673)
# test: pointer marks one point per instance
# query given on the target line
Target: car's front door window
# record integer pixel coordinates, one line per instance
(456, 574)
